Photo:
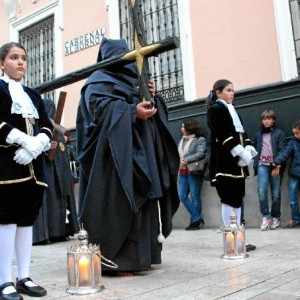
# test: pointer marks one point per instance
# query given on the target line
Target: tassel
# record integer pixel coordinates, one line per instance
(67, 214)
(160, 237)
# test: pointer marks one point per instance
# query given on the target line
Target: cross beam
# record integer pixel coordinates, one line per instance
(156, 48)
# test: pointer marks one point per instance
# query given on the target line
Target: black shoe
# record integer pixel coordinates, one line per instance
(243, 222)
(34, 291)
(194, 226)
(45, 242)
(250, 247)
(59, 239)
(201, 222)
(10, 296)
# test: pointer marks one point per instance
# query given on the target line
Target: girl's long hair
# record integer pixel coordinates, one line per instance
(218, 86)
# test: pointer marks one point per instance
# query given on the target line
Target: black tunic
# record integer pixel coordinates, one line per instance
(126, 165)
(226, 174)
(23, 183)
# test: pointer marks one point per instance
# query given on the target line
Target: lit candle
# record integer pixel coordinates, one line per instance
(84, 270)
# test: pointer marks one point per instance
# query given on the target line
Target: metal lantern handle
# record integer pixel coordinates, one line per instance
(112, 264)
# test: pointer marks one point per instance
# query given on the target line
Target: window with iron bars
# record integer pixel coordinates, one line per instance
(38, 40)
(295, 15)
(160, 22)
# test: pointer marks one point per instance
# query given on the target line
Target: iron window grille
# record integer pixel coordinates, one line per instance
(160, 22)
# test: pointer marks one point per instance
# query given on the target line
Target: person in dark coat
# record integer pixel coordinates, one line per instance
(58, 216)
(128, 166)
(292, 152)
(231, 149)
(268, 142)
(25, 133)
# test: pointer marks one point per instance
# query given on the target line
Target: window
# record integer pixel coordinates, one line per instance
(38, 40)
(160, 22)
(295, 14)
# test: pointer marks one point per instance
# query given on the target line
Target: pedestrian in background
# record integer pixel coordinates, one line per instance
(192, 147)
(268, 142)
(292, 152)
(25, 132)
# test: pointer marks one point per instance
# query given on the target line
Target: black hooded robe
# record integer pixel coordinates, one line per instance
(129, 167)
(53, 223)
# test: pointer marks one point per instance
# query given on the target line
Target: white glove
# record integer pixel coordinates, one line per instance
(252, 150)
(22, 156)
(31, 143)
(237, 150)
(44, 139)
(245, 158)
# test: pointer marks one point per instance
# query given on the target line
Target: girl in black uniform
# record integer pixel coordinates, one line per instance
(25, 132)
(231, 150)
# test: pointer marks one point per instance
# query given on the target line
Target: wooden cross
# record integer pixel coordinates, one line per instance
(141, 52)
(56, 122)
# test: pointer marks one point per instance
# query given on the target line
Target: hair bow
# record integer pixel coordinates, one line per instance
(211, 94)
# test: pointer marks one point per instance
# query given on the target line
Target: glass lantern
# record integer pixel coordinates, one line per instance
(84, 266)
(234, 242)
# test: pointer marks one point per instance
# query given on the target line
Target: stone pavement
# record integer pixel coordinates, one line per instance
(191, 269)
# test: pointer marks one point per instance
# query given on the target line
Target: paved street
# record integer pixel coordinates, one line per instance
(191, 269)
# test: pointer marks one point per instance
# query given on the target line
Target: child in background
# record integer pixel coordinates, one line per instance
(292, 150)
(268, 142)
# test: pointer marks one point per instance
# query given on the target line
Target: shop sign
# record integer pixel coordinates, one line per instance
(85, 41)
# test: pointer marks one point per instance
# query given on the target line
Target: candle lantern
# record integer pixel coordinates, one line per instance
(84, 266)
(234, 242)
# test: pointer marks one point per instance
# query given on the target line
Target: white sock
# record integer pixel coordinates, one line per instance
(7, 235)
(238, 215)
(226, 212)
(23, 246)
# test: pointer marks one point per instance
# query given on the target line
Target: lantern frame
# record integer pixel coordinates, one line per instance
(234, 240)
(84, 267)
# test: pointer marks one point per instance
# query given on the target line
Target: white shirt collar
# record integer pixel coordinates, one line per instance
(21, 103)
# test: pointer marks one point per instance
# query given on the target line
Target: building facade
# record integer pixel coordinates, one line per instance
(253, 43)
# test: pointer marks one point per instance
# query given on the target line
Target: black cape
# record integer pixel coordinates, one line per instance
(128, 167)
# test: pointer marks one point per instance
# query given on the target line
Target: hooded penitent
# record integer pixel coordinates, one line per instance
(128, 168)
